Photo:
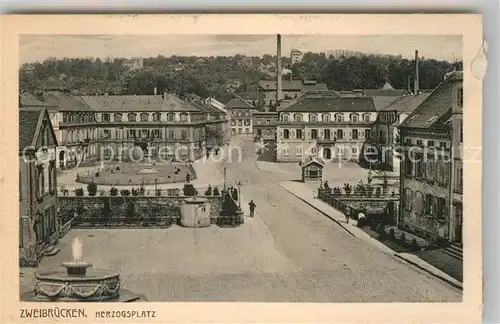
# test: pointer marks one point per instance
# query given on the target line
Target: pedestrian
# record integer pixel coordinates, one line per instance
(347, 214)
(362, 217)
(252, 206)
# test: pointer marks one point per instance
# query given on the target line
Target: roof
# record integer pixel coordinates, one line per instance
(207, 108)
(250, 95)
(331, 104)
(311, 159)
(287, 85)
(430, 112)
(29, 119)
(387, 86)
(65, 101)
(168, 102)
(385, 92)
(383, 101)
(317, 86)
(238, 103)
(27, 99)
(406, 103)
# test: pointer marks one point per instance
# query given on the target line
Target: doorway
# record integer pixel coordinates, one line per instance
(458, 222)
(327, 153)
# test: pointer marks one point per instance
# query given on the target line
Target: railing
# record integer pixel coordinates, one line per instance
(136, 191)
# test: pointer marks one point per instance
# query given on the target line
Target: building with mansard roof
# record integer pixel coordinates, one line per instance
(325, 125)
(241, 112)
(431, 176)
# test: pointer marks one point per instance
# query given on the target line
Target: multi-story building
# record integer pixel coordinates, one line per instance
(431, 173)
(241, 112)
(329, 126)
(295, 56)
(385, 131)
(158, 125)
(38, 224)
(290, 89)
(76, 128)
(264, 125)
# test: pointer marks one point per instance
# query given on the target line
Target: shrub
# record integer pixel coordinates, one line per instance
(97, 174)
(135, 192)
(347, 188)
(125, 192)
(337, 191)
(92, 189)
(189, 190)
(142, 191)
(173, 192)
(208, 192)
(79, 192)
(113, 191)
(216, 192)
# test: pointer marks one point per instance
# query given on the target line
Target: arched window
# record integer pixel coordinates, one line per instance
(144, 117)
(184, 117)
(171, 117)
(132, 117)
(339, 117)
(297, 117)
(156, 116)
(285, 117)
(340, 134)
(286, 134)
(117, 117)
(354, 118)
(366, 117)
(313, 118)
(325, 118)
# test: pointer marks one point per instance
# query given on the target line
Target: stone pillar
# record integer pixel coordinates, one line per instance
(27, 248)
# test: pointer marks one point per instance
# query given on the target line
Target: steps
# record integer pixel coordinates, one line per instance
(51, 251)
(455, 250)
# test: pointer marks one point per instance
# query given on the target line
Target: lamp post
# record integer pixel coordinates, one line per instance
(225, 171)
(239, 194)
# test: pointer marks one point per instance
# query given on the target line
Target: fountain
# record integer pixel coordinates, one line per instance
(77, 283)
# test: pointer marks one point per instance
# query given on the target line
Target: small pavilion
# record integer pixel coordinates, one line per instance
(312, 168)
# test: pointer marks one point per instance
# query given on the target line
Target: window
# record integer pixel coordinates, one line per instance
(144, 117)
(368, 133)
(299, 133)
(117, 117)
(239, 130)
(460, 177)
(131, 133)
(326, 134)
(355, 134)
(285, 117)
(325, 118)
(156, 117)
(354, 150)
(170, 133)
(183, 117)
(156, 133)
(286, 134)
(460, 97)
(170, 117)
(339, 117)
(246, 122)
(430, 143)
(297, 117)
(313, 118)
(184, 134)
(354, 118)
(419, 142)
(233, 122)
(429, 205)
(268, 122)
(340, 134)
(441, 208)
(106, 134)
(419, 203)
(106, 117)
(407, 199)
(285, 151)
(461, 125)
(314, 150)
(298, 150)
(247, 130)
(314, 133)
(240, 122)
(408, 166)
(132, 117)
(366, 117)
(41, 186)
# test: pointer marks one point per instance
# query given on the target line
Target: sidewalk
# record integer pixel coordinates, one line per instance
(304, 193)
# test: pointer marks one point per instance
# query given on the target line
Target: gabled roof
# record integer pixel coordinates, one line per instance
(131, 103)
(287, 85)
(238, 103)
(312, 159)
(406, 103)
(383, 101)
(30, 124)
(249, 95)
(439, 103)
(316, 86)
(332, 104)
(27, 99)
(387, 86)
(385, 92)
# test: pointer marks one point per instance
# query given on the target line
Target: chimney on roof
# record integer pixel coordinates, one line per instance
(279, 80)
(417, 80)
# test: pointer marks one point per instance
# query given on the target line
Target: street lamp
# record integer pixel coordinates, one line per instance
(225, 171)
(239, 194)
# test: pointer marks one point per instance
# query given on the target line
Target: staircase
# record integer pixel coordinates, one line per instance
(455, 250)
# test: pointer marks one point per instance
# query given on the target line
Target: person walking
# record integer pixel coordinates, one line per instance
(347, 214)
(252, 206)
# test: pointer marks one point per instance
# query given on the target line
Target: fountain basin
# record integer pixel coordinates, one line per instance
(76, 268)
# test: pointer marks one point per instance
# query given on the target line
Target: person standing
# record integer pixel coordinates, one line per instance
(252, 206)
(347, 214)
(362, 217)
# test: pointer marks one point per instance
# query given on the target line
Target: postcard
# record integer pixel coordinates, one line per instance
(242, 168)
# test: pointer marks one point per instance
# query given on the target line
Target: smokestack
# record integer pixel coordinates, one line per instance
(417, 80)
(409, 85)
(279, 79)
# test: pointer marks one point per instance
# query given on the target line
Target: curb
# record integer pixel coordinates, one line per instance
(319, 210)
(450, 282)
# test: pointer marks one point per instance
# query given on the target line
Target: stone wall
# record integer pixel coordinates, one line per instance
(85, 211)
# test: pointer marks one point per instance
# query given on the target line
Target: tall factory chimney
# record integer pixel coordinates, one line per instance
(279, 79)
(417, 80)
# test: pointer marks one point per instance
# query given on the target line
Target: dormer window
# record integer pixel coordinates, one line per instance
(285, 117)
(354, 118)
(339, 117)
(366, 117)
(184, 117)
(144, 117)
(118, 117)
(313, 118)
(297, 117)
(171, 117)
(325, 118)
(156, 117)
(132, 117)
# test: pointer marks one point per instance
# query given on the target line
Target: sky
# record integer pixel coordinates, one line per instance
(40, 47)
